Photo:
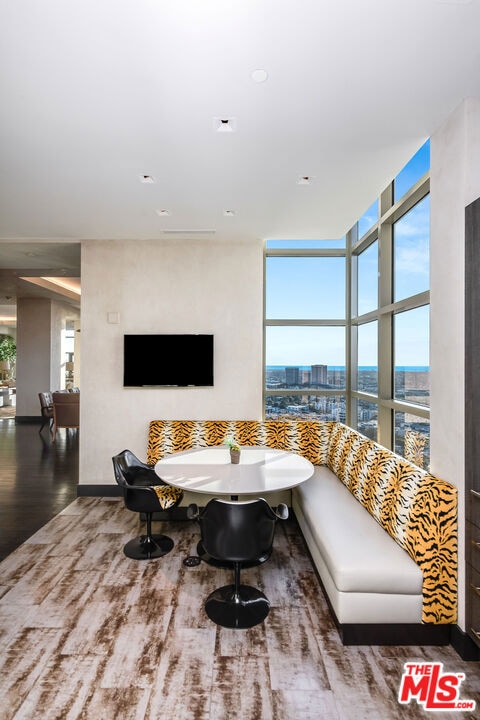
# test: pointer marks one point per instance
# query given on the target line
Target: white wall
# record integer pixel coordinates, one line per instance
(165, 286)
(454, 183)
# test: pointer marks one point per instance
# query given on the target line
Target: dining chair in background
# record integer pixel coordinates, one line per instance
(66, 411)
(46, 409)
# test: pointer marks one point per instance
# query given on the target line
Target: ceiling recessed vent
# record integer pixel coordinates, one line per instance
(224, 124)
(190, 232)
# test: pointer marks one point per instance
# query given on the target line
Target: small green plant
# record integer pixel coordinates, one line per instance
(8, 349)
(232, 444)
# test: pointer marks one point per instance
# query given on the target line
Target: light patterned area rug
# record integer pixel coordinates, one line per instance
(87, 633)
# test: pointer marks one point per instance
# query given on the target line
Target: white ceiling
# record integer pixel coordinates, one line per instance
(95, 94)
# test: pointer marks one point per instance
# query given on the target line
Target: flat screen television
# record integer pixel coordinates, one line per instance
(168, 361)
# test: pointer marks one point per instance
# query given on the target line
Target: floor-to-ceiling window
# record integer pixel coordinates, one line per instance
(347, 321)
(305, 329)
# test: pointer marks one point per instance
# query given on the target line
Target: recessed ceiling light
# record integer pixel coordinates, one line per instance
(229, 213)
(224, 124)
(147, 179)
(305, 180)
(163, 213)
(259, 76)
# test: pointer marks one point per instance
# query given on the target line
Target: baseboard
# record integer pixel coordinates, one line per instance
(28, 419)
(99, 491)
(394, 634)
(464, 645)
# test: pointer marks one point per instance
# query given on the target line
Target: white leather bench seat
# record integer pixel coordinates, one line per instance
(368, 577)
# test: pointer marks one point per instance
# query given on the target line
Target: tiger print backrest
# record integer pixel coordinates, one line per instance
(417, 509)
(308, 438)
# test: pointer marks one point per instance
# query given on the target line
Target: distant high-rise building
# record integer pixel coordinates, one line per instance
(306, 377)
(319, 375)
(292, 376)
(336, 377)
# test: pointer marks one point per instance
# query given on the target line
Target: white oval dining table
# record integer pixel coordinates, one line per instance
(261, 470)
(209, 470)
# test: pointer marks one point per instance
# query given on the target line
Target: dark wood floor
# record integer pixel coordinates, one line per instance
(38, 479)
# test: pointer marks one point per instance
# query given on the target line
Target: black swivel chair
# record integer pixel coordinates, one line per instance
(135, 471)
(238, 532)
(144, 497)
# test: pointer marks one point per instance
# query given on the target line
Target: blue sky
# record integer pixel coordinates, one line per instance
(311, 288)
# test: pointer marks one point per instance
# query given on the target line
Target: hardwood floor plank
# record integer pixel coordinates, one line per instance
(295, 660)
(241, 689)
(22, 663)
(136, 653)
(305, 705)
(62, 689)
(182, 685)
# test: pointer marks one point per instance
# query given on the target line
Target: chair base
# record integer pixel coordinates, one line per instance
(147, 548)
(249, 608)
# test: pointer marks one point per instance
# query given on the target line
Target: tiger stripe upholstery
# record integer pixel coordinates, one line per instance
(308, 438)
(418, 510)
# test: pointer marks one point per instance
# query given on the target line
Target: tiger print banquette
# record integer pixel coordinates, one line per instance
(354, 474)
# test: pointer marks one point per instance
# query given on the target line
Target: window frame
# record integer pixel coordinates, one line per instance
(381, 231)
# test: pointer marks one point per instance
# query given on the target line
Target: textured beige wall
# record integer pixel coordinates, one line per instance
(179, 286)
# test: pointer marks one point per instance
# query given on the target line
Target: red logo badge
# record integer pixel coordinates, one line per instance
(431, 687)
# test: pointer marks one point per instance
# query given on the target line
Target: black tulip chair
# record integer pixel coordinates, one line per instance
(144, 492)
(237, 532)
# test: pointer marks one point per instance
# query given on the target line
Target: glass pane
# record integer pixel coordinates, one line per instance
(306, 407)
(411, 352)
(305, 287)
(367, 419)
(368, 219)
(367, 378)
(413, 171)
(314, 357)
(368, 279)
(411, 238)
(412, 438)
(306, 244)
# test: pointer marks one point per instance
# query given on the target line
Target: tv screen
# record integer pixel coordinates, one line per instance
(168, 360)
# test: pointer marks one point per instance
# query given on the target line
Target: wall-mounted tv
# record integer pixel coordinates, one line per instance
(168, 360)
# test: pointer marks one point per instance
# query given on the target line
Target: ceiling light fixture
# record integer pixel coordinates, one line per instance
(163, 213)
(147, 179)
(229, 213)
(259, 75)
(305, 180)
(224, 124)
